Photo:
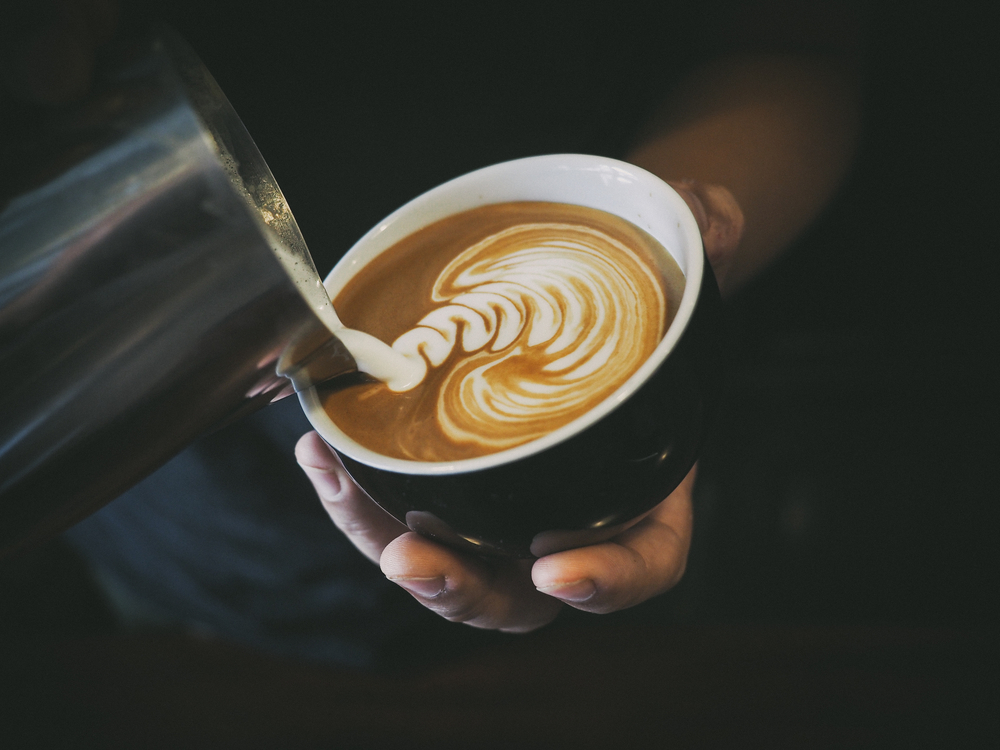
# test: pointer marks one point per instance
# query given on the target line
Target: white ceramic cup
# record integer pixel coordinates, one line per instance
(582, 481)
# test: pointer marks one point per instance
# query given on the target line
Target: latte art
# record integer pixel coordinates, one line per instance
(552, 313)
(518, 318)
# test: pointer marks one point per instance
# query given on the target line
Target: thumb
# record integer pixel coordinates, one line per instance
(719, 218)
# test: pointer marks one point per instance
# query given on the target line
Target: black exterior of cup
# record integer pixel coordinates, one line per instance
(611, 472)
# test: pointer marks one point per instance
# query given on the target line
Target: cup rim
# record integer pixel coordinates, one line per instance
(690, 258)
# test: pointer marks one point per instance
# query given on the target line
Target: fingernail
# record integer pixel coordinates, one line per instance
(425, 587)
(577, 591)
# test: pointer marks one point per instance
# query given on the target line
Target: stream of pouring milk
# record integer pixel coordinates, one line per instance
(376, 358)
(400, 372)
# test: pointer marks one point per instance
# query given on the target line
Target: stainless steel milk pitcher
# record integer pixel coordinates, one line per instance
(150, 280)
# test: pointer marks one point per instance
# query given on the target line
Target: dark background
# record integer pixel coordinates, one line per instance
(850, 483)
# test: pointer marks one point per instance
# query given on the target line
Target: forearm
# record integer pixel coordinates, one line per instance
(778, 132)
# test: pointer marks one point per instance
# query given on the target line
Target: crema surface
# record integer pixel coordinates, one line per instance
(524, 316)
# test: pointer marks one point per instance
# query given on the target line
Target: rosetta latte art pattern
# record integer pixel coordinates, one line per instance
(537, 324)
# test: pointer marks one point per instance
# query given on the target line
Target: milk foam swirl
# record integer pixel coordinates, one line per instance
(537, 324)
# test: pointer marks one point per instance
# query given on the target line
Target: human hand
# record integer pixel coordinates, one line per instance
(509, 595)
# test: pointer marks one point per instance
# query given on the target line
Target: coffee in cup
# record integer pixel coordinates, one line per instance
(523, 316)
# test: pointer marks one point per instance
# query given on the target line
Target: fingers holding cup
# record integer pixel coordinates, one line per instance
(643, 561)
